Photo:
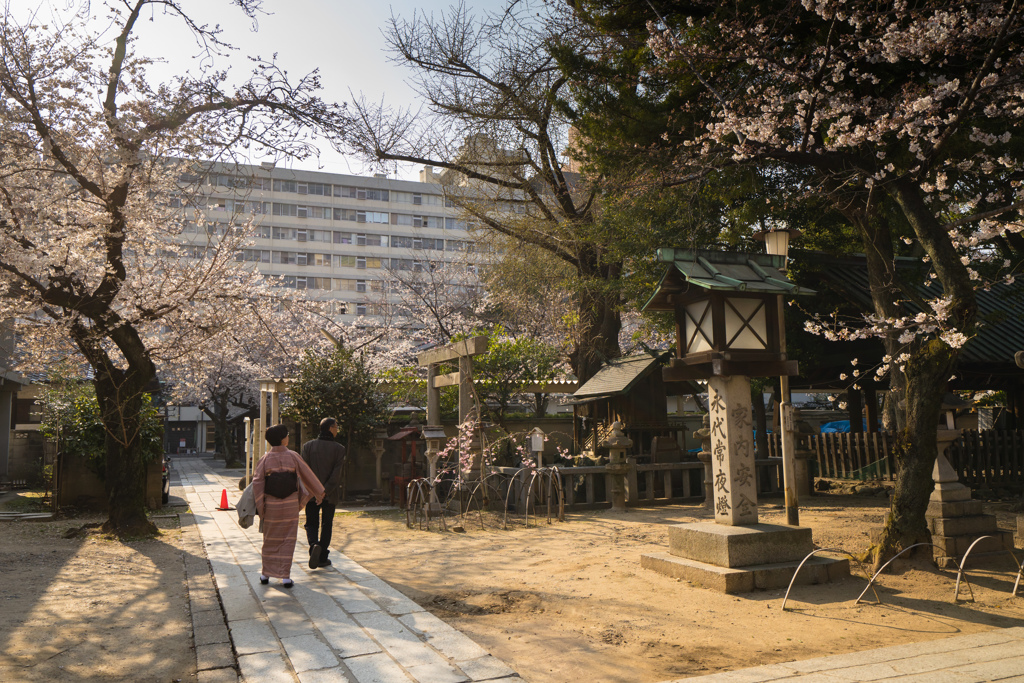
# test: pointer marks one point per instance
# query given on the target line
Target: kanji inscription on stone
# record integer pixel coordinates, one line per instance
(733, 448)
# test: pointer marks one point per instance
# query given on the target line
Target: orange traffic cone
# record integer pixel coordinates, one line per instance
(224, 500)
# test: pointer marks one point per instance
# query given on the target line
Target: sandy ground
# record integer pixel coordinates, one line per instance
(89, 608)
(565, 602)
(570, 602)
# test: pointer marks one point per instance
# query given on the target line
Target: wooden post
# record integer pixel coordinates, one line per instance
(433, 397)
(871, 408)
(854, 408)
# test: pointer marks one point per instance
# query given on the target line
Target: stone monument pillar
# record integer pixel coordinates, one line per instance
(732, 451)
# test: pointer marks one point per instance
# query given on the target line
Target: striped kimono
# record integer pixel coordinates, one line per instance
(281, 515)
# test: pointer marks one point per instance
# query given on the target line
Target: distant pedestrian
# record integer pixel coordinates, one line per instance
(326, 458)
(282, 484)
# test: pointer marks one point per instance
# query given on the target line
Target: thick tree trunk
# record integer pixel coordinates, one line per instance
(600, 321)
(927, 373)
(540, 404)
(916, 450)
(121, 407)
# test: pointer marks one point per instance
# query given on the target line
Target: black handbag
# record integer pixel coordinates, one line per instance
(281, 484)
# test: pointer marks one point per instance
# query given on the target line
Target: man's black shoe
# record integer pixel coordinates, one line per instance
(314, 557)
(325, 563)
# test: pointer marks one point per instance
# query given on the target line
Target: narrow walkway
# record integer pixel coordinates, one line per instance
(339, 623)
(990, 656)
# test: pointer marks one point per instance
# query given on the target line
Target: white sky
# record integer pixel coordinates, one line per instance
(340, 37)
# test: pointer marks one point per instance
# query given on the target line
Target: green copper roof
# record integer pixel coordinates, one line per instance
(722, 271)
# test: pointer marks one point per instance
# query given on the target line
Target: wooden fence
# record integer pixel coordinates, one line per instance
(989, 457)
(587, 488)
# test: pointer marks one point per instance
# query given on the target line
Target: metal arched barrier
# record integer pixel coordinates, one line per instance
(892, 559)
(809, 556)
(554, 481)
(963, 564)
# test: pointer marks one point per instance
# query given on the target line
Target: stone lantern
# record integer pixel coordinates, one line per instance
(435, 437)
(728, 327)
(727, 331)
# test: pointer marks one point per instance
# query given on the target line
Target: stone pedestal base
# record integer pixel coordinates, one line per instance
(954, 533)
(956, 521)
(739, 559)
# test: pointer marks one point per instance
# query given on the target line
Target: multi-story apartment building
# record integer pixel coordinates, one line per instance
(344, 239)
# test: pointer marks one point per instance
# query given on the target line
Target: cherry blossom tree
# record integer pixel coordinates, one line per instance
(905, 117)
(88, 251)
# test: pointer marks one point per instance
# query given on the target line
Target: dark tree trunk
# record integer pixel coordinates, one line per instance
(600, 319)
(121, 405)
(540, 405)
(926, 376)
(916, 450)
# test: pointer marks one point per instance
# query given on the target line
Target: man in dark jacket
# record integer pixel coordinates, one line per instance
(326, 458)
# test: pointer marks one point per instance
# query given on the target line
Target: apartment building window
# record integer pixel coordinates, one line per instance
(363, 262)
(376, 285)
(401, 219)
(174, 202)
(320, 260)
(402, 242)
(288, 281)
(285, 209)
(301, 236)
(257, 255)
(367, 240)
(360, 309)
(427, 222)
(284, 233)
(339, 307)
(343, 261)
(284, 257)
(285, 186)
(302, 212)
(372, 217)
(417, 198)
(360, 285)
(342, 237)
(262, 232)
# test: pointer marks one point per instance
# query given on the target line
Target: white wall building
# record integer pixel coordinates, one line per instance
(339, 237)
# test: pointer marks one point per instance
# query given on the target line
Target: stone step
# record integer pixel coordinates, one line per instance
(956, 546)
(975, 525)
(746, 579)
(739, 546)
(961, 508)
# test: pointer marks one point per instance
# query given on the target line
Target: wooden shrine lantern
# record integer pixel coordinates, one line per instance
(726, 313)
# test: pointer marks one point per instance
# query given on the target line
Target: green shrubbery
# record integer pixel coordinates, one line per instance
(71, 417)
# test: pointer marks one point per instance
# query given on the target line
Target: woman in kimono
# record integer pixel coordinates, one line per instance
(282, 484)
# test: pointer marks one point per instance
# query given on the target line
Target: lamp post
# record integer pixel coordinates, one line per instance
(776, 242)
(537, 437)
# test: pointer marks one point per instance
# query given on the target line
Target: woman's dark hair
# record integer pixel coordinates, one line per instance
(276, 434)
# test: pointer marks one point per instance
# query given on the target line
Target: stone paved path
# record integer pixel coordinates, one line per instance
(339, 623)
(990, 656)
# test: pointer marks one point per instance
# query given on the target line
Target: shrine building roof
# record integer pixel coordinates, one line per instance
(615, 377)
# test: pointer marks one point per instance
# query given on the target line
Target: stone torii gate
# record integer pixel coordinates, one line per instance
(463, 351)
